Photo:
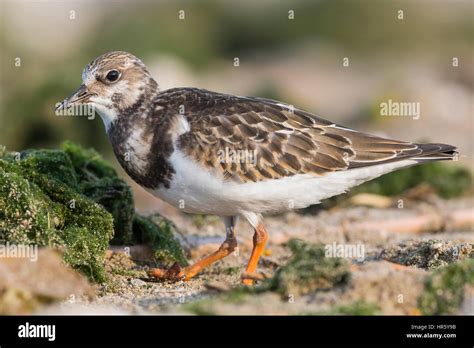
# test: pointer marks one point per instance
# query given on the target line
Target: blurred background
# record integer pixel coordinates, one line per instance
(292, 51)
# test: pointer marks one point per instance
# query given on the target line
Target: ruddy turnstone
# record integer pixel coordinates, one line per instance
(183, 146)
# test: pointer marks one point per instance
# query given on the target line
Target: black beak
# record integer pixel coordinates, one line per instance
(81, 96)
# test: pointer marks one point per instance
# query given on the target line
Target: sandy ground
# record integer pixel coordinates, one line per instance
(393, 288)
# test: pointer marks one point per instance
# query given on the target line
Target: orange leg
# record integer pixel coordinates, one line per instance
(227, 247)
(260, 238)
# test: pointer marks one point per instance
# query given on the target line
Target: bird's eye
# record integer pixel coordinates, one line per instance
(112, 75)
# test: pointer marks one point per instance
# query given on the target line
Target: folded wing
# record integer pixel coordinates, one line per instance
(253, 139)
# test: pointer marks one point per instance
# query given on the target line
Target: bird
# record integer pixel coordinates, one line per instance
(212, 153)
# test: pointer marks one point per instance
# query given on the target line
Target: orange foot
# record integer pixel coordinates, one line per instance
(260, 238)
(174, 273)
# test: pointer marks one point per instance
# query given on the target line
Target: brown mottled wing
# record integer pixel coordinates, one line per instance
(285, 141)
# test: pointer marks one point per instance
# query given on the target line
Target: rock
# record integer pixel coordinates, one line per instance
(137, 282)
(428, 254)
(40, 204)
(99, 181)
(140, 253)
(26, 284)
(393, 288)
(120, 263)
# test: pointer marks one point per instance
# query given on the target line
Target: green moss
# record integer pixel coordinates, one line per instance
(26, 213)
(72, 199)
(52, 163)
(445, 287)
(356, 308)
(201, 307)
(240, 294)
(37, 208)
(85, 250)
(116, 197)
(308, 270)
(159, 232)
(87, 163)
(99, 181)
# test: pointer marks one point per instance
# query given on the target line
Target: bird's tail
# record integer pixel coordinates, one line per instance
(436, 152)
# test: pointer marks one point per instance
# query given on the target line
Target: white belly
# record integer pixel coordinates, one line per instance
(196, 190)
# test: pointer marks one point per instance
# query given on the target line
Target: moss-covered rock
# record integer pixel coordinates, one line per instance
(52, 163)
(99, 181)
(87, 163)
(159, 233)
(116, 197)
(309, 270)
(36, 208)
(445, 288)
(72, 199)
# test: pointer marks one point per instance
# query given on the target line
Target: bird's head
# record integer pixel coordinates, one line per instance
(112, 84)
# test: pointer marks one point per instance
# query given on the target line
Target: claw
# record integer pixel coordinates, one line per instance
(174, 273)
(249, 278)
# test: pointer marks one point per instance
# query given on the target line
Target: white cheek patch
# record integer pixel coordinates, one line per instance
(130, 94)
(101, 100)
(105, 110)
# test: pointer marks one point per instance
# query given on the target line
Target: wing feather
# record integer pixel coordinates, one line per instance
(284, 141)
